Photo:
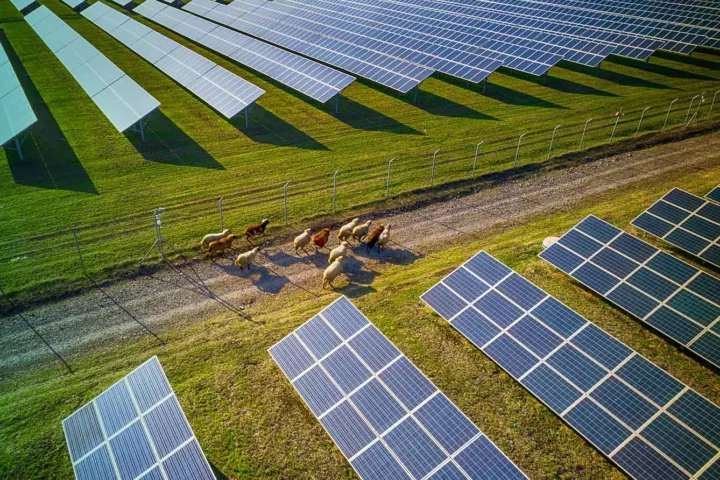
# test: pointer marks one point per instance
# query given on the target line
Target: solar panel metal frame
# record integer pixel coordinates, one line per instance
(569, 364)
(714, 194)
(684, 232)
(345, 325)
(143, 406)
(667, 294)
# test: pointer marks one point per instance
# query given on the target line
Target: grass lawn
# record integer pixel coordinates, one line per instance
(79, 172)
(252, 424)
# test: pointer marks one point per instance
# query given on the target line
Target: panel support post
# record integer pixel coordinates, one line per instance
(416, 95)
(485, 85)
(544, 78)
(142, 130)
(247, 116)
(18, 147)
(337, 103)
(668, 114)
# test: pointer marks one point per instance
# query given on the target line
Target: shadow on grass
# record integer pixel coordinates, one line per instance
(266, 127)
(437, 105)
(514, 97)
(58, 168)
(165, 142)
(656, 68)
(568, 86)
(362, 117)
(698, 62)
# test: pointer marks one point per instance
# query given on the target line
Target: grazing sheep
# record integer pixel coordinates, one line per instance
(219, 246)
(302, 240)
(211, 237)
(373, 238)
(245, 259)
(253, 230)
(321, 238)
(332, 272)
(346, 230)
(340, 251)
(383, 239)
(359, 232)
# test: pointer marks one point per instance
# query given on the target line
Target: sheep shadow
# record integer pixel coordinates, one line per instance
(260, 276)
(395, 256)
(283, 259)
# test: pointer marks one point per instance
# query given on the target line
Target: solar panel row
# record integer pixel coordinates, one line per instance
(667, 294)
(650, 424)
(122, 100)
(384, 415)
(714, 194)
(135, 429)
(16, 114)
(686, 221)
(223, 90)
(306, 76)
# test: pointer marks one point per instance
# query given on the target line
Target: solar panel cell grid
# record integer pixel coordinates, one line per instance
(632, 411)
(385, 416)
(714, 194)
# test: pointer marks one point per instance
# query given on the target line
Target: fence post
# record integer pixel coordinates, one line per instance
(432, 173)
(335, 190)
(642, 115)
(552, 141)
(220, 200)
(517, 152)
(477, 148)
(668, 114)
(689, 107)
(77, 245)
(617, 119)
(582, 138)
(285, 208)
(712, 104)
(387, 184)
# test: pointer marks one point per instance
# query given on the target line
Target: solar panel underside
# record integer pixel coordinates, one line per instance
(223, 90)
(382, 69)
(714, 194)
(686, 221)
(384, 415)
(651, 425)
(16, 114)
(122, 100)
(135, 429)
(668, 294)
(315, 80)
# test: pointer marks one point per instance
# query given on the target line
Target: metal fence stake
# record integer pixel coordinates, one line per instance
(220, 200)
(552, 141)
(642, 115)
(477, 148)
(712, 104)
(689, 107)
(285, 206)
(387, 184)
(617, 119)
(432, 173)
(582, 138)
(335, 190)
(517, 151)
(77, 246)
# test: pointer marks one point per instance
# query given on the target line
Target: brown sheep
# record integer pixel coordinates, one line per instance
(373, 238)
(219, 246)
(321, 238)
(258, 229)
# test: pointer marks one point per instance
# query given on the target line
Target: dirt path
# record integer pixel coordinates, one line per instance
(151, 304)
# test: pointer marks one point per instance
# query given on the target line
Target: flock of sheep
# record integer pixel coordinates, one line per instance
(377, 238)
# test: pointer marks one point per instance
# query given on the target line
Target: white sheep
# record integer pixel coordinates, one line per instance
(302, 240)
(346, 230)
(245, 259)
(383, 239)
(359, 232)
(337, 252)
(212, 237)
(332, 272)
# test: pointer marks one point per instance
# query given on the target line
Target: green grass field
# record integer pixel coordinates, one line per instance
(80, 173)
(251, 423)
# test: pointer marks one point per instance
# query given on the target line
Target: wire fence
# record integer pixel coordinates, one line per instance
(43, 264)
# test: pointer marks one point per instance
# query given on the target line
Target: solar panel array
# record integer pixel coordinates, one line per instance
(650, 424)
(135, 429)
(385, 416)
(122, 100)
(686, 221)
(714, 194)
(315, 80)
(16, 114)
(667, 294)
(221, 89)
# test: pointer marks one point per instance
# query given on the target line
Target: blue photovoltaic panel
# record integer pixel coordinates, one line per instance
(22, 4)
(689, 222)
(122, 100)
(714, 194)
(385, 416)
(73, 3)
(16, 114)
(135, 430)
(668, 294)
(651, 425)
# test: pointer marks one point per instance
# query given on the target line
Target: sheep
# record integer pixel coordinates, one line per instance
(253, 230)
(332, 272)
(219, 246)
(211, 237)
(321, 238)
(359, 232)
(346, 230)
(302, 240)
(384, 239)
(340, 251)
(246, 259)
(373, 238)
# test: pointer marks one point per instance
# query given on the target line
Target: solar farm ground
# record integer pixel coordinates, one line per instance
(79, 172)
(247, 417)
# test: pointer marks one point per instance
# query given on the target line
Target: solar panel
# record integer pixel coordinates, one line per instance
(306, 76)
(16, 113)
(22, 4)
(124, 102)
(647, 422)
(223, 90)
(387, 418)
(665, 293)
(135, 429)
(73, 3)
(123, 3)
(686, 221)
(714, 194)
